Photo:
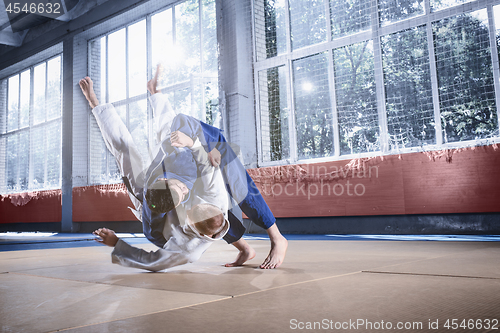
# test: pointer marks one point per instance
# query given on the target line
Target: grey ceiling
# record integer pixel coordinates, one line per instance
(15, 26)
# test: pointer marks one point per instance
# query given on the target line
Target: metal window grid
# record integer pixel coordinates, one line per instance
(376, 32)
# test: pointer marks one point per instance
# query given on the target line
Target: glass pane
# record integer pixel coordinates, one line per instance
(210, 57)
(408, 89)
(138, 112)
(163, 45)
(25, 99)
(24, 142)
(116, 63)
(210, 82)
(349, 16)
(38, 156)
(212, 116)
(441, 4)
(187, 40)
(313, 111)
(137, 58)
(182, 101)
(270, 28)
(54, 88)
(53, 155)
(39, 94)
(197, 106)
(13, 109)
(307, 22)
(356, 98)
(12, 161)
(465, 77)
(391, 11)
(274, 114)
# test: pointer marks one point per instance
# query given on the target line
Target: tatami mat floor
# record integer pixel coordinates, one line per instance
(324, 285)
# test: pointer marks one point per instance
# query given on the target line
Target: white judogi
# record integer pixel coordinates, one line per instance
(184, 243)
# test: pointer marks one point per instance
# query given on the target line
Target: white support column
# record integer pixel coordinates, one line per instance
(434, 81)
(292, 129)
(494, 59)
(379, 81)
(237, 77)
(331, 82)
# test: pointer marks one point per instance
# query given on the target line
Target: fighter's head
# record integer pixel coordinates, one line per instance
(207, 219)
(165, 194)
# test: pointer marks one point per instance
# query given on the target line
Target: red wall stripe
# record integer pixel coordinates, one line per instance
(41, 206)
(412, 183)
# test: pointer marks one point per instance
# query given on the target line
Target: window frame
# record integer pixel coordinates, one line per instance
(147, 16)
(6, 133)
(375, 33)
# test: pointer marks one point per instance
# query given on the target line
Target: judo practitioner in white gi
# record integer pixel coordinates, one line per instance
(196, 222)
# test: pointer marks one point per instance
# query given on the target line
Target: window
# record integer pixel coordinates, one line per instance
(274, 108)
(465, 77)
(408, 89)
(356, 98)
(31, 137)
(330, 89)
(183, 40)
(313, 112)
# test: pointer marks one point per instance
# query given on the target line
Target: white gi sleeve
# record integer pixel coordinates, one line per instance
(163, 115)
(127, 255)
(120, 143)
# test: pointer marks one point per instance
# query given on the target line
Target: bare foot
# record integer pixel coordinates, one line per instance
(246, 253)
(277, 254)
(242, 257)
(153, 83)
(87, 87)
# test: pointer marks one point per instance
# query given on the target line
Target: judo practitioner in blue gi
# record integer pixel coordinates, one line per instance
(189, 194)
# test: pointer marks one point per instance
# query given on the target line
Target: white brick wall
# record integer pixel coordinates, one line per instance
(3, 117)
(236, 75)
(81, 111)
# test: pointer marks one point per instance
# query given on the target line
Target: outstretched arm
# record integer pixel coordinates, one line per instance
(127, 255)
(118, 140)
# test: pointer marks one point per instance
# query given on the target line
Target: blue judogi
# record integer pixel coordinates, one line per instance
(178, 163)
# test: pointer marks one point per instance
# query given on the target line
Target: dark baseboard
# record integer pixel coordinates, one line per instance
(78, 227)
(441, 224)
(437, 224)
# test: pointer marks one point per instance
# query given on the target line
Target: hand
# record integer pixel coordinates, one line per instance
(108, 236)
(179, 139)
(214, 157)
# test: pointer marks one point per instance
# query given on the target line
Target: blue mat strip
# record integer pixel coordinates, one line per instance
(35, 241)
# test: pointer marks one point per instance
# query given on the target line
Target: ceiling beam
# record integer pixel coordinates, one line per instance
(12, 38)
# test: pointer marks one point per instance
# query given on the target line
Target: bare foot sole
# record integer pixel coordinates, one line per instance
(87, 87)
(153, 83)
(276, 255)
(243, 256)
